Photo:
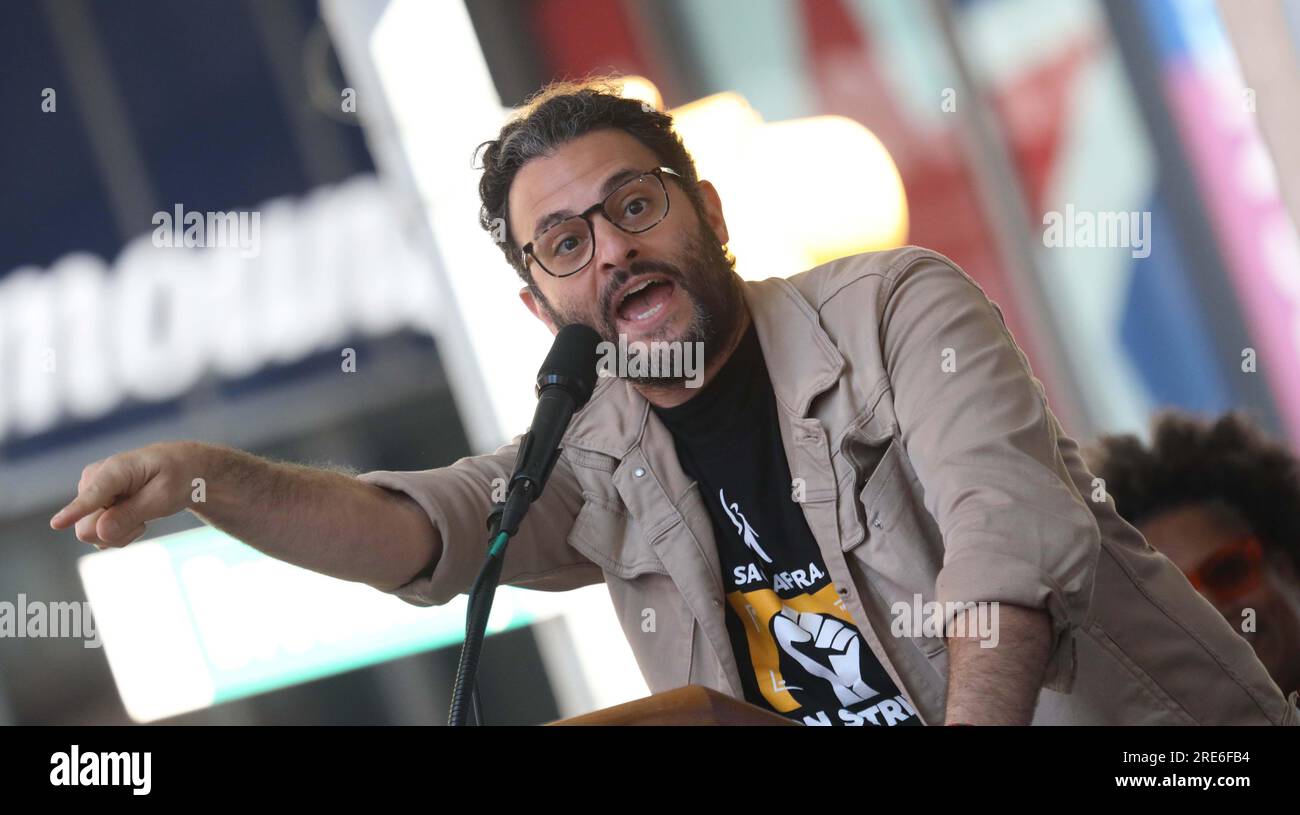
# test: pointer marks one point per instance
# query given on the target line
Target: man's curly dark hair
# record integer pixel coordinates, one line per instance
(1192, 462)
(559, 113)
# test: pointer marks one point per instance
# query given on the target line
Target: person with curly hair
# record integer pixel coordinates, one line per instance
(1222, 501)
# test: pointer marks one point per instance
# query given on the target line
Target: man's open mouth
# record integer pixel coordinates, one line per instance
(644, 300)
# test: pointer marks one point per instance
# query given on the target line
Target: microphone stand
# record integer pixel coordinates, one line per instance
(476, 617)
(564, 384)
(476, 620)
(503, 522)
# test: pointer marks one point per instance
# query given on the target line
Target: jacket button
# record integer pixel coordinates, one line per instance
(875, 521)
(638, 472)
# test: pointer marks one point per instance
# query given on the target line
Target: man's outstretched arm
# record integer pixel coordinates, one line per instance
(325, 521)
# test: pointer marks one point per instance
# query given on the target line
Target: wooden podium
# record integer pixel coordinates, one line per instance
(691, 705)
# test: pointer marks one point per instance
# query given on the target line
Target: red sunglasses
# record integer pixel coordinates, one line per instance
(1232, 571)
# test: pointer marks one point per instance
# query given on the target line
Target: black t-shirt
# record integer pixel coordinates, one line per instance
(797, 648)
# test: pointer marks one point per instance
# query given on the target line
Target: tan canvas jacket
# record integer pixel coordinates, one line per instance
(949, 481)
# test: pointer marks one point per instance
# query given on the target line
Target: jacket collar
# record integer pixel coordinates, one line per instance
(801, 359)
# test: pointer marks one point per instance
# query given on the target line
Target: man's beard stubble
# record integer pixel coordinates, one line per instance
(709, 282)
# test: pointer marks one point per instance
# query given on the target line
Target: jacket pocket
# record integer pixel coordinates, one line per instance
(652, 613)
(903, 551)
(613, 541)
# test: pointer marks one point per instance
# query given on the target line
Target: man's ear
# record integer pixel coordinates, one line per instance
(529, 300)
(713, 210)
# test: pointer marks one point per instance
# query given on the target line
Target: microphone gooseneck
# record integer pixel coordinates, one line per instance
(565, 383)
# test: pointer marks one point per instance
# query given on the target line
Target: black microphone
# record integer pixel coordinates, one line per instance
(564, 384)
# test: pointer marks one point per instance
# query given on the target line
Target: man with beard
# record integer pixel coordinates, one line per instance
(867, 440)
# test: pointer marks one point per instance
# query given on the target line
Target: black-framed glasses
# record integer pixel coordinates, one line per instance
(638, 204)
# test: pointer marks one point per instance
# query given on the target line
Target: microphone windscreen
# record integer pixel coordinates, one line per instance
(571, 363)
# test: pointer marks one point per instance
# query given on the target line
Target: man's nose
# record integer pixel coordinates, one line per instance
(615, 249)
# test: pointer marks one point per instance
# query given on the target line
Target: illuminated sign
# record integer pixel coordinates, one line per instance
(197, 618)
(80, 338)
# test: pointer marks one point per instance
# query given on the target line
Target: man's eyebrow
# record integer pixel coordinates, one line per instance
(551, 218)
